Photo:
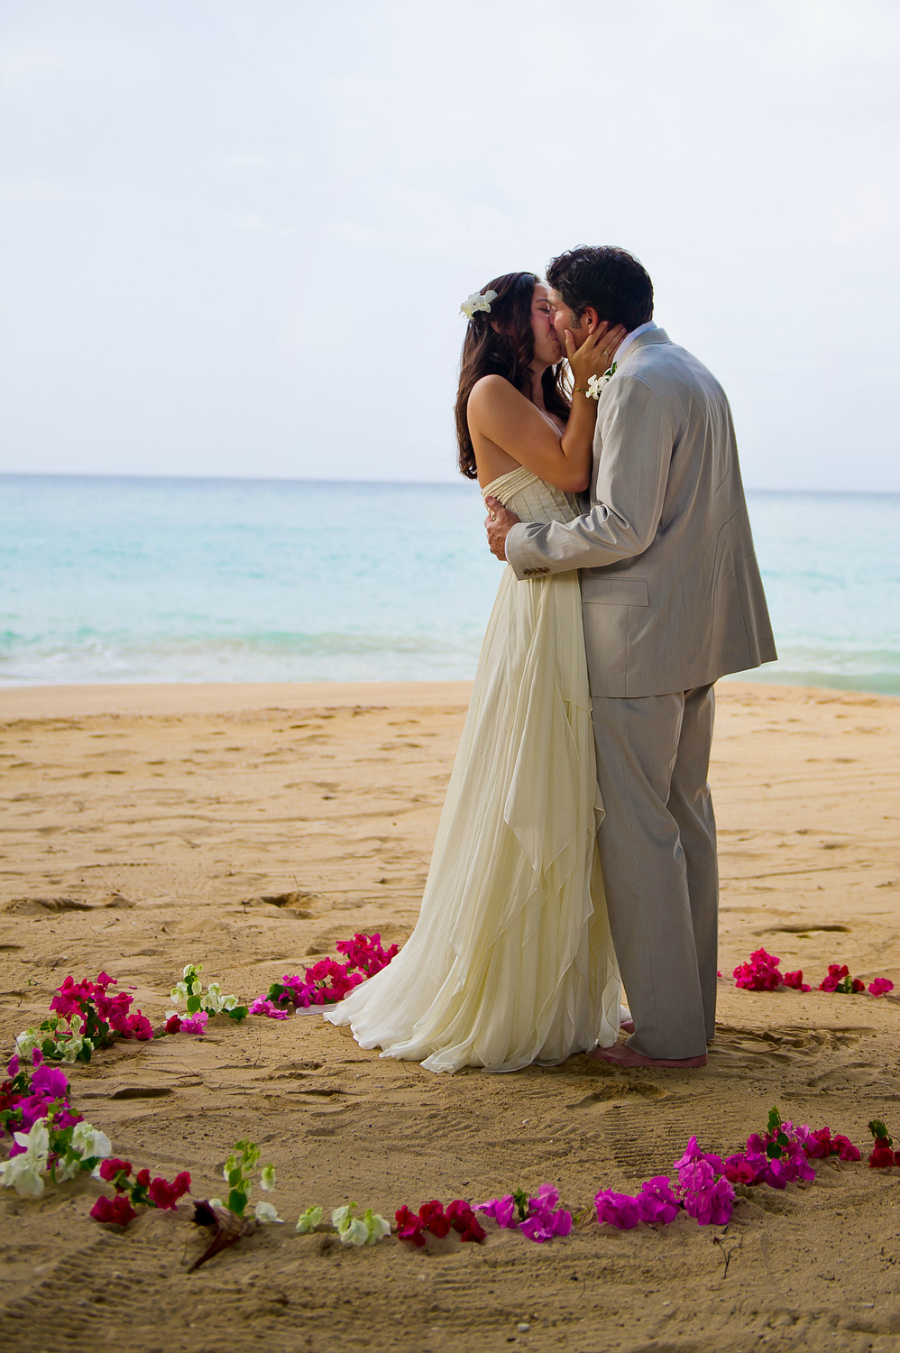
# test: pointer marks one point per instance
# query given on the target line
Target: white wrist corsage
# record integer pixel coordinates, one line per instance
(479, 300)
(596, 384)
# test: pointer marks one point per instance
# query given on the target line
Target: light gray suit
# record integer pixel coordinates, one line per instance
(672, 601)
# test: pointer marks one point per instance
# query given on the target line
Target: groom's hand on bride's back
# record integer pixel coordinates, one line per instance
(497, 523)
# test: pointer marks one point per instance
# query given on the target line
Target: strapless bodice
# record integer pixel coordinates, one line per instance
(531, 498)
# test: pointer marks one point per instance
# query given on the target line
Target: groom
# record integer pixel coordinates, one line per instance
(672, 600)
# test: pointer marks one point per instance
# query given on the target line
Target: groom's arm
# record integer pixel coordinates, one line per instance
(633, 442)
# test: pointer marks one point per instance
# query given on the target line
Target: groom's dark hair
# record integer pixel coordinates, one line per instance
(609, 279)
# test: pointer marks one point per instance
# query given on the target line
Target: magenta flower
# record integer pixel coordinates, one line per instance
(711, 1205)
(544, 1226)
(165, 1195)
(195, 1024)
(501, 1210)
(117, 1210)
(261, 1006)
(618, 1210)
(880, 987)
(656, 1201)
(694, 1153)
(739, 1170)
(49, 1081)
(760, 974)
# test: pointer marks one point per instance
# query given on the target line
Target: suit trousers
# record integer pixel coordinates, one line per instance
(658, 851)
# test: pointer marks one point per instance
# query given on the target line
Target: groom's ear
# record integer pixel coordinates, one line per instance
(590, 320)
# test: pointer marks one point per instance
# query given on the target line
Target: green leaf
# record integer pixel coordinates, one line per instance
(193, 1004)
(520, 1198)
(237, 1201)
(235, 1178)
(238, 1013)
(775, 1120)
(879, 1131)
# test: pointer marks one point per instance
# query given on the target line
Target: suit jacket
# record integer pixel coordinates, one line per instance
(670, 584)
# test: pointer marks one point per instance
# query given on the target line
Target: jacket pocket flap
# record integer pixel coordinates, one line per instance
(615, 591)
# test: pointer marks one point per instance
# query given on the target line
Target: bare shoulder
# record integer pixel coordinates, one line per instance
(492, 396)
(489, 388)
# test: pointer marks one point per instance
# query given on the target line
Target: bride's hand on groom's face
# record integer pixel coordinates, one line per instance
(596, 353)
(497, 523)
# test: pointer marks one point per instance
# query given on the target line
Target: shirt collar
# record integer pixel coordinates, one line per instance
(630, 337)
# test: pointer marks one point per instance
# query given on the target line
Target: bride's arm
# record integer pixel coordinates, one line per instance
(500, 416)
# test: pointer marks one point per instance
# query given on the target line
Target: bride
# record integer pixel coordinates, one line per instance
(511, 961)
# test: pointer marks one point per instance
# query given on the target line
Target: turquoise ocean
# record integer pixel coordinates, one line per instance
(152, 579)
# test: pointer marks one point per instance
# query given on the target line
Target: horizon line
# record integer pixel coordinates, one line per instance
(411, 483)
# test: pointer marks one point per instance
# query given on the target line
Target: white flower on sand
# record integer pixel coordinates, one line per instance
(71, 1046)
(215, 1002)
(25, 1172)
(267, 1178)
(359, 1230)
(266, 1214)
(476, 302)
(89, 1141)
(191, 986)
(27, 1041)
(309, 1220)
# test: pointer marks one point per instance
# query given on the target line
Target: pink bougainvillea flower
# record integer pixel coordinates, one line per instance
(698, 1174)
(880, 987)
(117, 1210)
(501, 1210)
(262, 1006)
(165, 1195)
(195, 1024)
(173, 1024)
(693, 1152)
(433, 1218)
(409, 1227)
(657, 1202)
(142, 1178)
(795, 980)
(617, 1209)
(464, 1221)
(545, 1226)
(712, 1205)
(845, 1148)
(818, 1144)
(739, 1170)
(109, 1168)
(760, 974)
(882, 1156)
(366, 953)
(837, 973)
(49, 1081)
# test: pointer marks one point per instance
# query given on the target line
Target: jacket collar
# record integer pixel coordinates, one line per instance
(645, 340)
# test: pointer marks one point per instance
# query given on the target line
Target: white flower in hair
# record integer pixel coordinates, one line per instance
(477, 301)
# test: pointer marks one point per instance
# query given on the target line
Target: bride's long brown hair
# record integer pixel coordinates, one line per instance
(508, 353)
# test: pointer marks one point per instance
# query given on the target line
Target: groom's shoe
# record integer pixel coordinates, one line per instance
(621, 1055)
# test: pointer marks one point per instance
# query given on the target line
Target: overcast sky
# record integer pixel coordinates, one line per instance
(236, 233)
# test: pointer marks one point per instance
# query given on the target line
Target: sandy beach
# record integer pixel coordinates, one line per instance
(250, 828)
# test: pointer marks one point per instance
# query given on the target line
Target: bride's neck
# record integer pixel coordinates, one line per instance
(537, 389)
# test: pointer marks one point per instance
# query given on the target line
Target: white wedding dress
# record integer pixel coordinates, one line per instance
(511, 961)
